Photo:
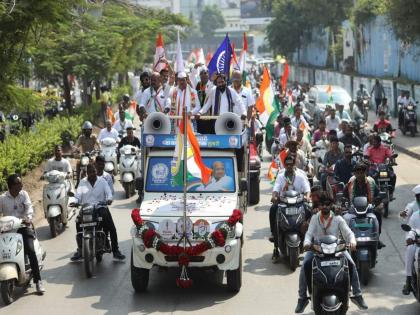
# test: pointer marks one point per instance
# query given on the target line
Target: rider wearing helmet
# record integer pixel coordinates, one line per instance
(87, 141)
(413, 206)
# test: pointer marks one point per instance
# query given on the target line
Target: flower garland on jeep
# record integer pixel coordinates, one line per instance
(152, 239)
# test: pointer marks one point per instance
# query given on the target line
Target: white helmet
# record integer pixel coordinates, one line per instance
(416, 190)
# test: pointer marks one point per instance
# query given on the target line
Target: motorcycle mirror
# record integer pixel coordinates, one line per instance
(70, 193)
(406, 227)
(395, 155)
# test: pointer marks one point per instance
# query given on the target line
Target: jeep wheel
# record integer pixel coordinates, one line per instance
(139, 277)
(234, 277)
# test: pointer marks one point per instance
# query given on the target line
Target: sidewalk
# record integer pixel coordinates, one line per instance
(405, 144)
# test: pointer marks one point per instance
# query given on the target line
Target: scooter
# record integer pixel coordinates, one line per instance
(330, 285)
(15, 270)
(56, 201)
(367, 236)
(129, 169)
(108, 150)
(408, 119)
(415, 278)
(95, 241)
(289, 219)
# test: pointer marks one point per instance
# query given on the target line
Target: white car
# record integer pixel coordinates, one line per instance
(323, 98)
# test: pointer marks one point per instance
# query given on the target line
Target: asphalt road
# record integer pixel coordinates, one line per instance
(267, 288)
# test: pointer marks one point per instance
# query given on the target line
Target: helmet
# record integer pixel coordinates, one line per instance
(87, 125)
(126, 97)
(416, 190)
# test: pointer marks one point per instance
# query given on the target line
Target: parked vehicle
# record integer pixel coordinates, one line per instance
(15, 270)
(367, 237)
(289, 219)
(56, 201)
(330, 277)
(415, 278)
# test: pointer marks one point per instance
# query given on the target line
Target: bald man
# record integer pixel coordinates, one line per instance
(219, 181)
(153, 98)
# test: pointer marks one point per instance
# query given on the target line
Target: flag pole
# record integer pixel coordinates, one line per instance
(185, 148)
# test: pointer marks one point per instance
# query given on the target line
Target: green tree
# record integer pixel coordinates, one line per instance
(211, 19)
(403, 16)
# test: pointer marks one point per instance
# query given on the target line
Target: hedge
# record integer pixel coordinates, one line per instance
(21, 153)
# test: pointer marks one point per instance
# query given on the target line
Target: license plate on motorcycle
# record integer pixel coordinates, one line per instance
(329, 263)
(292, 211)
(88, 224)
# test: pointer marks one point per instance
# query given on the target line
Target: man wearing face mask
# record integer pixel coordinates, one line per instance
(222, 99)
(325, 222)
(153, 98)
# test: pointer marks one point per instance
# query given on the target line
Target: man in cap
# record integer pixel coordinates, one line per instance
(154, 98)
(184, 95)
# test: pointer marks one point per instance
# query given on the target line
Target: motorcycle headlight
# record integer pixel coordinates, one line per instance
(328, 248)
(383, 174)
(87, 218)
(365, 102)
(410, 107)
(18, 247)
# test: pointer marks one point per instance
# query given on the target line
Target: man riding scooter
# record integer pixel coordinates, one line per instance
(58, 163)
(16, 202)
(325, 222)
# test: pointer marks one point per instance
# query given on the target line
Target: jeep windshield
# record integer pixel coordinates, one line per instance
(160, 179)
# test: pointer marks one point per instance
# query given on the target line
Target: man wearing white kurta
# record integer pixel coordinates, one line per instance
(153, 98)
(184, 95)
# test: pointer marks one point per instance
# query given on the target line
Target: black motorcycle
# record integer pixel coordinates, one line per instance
(415, 277)
(289, 219)
(367, 236)
(95, 241)
(408, 119)
(381, 173)
(330, 277)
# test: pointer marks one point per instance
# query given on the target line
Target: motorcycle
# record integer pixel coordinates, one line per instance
(408, 119)
(95, 241)
(129, 168)
(319, 150)
(15, 269)
(56, 201)
(289, 219)
(415, 278)
(108, 150)
(330, 277)
(364, 105)
(386, 138)
(367, 236)
(381, 173)
(359, 127)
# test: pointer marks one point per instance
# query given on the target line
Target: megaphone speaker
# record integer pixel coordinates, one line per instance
(228, 124)
(157, 123)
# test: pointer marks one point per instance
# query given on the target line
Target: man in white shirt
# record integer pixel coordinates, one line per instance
(145, 83)
(154, 99)
(108, 132)
(245, 93)
(298, 121)
(413, 206)
(184, 95)
(100, 172)
(410, 252)
(219, 181)
(288, 132)
(223, 99)
(16, 202)
(121, 123)
(203, 88)
(58, 163)
(94, 190)
(332, 121)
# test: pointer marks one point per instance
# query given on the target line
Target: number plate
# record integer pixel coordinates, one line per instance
(330, 263)
(292, 211)
(88, 224)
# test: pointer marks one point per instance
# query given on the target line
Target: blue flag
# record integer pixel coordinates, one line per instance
(220, 63)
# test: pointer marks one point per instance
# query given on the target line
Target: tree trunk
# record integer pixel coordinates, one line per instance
(121, 79)
(97, 90)
(67, 97)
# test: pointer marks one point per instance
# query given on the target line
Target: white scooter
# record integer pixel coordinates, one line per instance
(56, 201)
(129, 168)
(15, 269)
(108, 150)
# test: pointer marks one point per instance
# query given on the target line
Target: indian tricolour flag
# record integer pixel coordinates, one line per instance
(267, 104)
(158, 63)
(197, 172)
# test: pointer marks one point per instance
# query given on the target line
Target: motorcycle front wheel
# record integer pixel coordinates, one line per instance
(54, 224)
(88, 256)
(364, 272)
(293, 258)
(8, 290)
(386, 209)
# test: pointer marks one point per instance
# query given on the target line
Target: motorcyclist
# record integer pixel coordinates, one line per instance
(16, 202)
(349, 137)
(320, 133)
(362, 92)
(361, 185)
(122, 120)
(410, 253)
(304, 144)
(341, 113)
(377, 154)
(383, 125)
(93, 190)
(325, 222)
(298, 121)
(344, 166)
(355, 113)
(108, 132)
(60, 164)
(287, 133)
(100, 172)
(289, 179)
(412, 206)
(331, 157)
(130, 138)
(332, 121)
(292, 147)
